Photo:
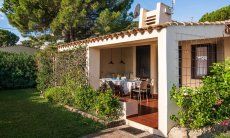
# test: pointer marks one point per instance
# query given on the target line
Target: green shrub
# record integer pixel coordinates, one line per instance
(206, 105)
(85, 98)
(108, 105)
(59, 95)
(17, 70)
(67, 69)
(104, 105)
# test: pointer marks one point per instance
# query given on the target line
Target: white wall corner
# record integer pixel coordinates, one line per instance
(167, 76)
(93, 65)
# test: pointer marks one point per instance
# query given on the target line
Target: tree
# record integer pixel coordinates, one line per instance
(7, 38)
(221, 14)
(71, 19)
(31, 16)
(78, 20)
(109, 22)
(38, 41)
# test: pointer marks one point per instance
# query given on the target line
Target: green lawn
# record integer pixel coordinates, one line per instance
(23, 113)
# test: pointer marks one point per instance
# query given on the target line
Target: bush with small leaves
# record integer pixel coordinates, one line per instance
(17, 71)
(59, 95)
(108, 105)
(206, 105)
(85, 98)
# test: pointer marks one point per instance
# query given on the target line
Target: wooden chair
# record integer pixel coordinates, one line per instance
(142, 89)
(151, 87)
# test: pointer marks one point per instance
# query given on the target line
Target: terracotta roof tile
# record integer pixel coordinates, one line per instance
(134, 31)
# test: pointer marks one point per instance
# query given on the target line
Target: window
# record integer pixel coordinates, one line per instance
(203, 56)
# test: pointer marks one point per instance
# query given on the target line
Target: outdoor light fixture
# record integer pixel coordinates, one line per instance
(122, 62)
(111, 57)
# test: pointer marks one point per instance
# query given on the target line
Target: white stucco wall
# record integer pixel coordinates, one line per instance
(154, 67)
(167, 76)
(93, 65)
(107, 69)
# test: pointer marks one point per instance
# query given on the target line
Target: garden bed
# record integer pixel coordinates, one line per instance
(108, 124)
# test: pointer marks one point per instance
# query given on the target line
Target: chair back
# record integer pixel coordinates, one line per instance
(150, 81)
(111, 85)
(143, 85)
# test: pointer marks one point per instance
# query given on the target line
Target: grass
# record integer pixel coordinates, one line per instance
(23, 113)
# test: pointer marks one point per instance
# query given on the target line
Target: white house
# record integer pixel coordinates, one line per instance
(163, 50)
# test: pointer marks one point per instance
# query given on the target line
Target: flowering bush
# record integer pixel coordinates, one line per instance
(206, 105)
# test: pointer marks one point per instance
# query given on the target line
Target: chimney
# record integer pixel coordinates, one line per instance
(161, 15)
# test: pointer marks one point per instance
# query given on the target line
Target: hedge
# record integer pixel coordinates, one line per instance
(17, 71)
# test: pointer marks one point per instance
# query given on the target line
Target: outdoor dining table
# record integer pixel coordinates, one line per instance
(127, 85)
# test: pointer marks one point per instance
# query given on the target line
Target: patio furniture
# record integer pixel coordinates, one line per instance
(151, 87)
(142, 89)
(117, 89)
(123, 85)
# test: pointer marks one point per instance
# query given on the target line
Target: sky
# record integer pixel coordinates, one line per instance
(184, 10)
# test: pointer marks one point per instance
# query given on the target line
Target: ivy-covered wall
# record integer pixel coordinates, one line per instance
(17, 71)
(54, 67)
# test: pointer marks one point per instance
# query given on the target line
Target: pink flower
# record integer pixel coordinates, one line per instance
(225, 123)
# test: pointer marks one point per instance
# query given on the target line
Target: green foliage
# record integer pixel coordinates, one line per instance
(104, 105)
(206, 105)
(62, 76)
(58, 68)
(44, 60)
(71, 65)
(107, 105)
(221, 14)
(218, 84)
(109, 22)
(71, 19)
(17, 70)
(38, 41)
(7, 38)
(85, 98)
(59, 95)
(31, 16)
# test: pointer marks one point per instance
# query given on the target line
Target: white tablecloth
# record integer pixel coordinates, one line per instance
(127, 85)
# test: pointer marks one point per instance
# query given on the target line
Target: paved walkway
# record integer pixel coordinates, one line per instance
(122, 132)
